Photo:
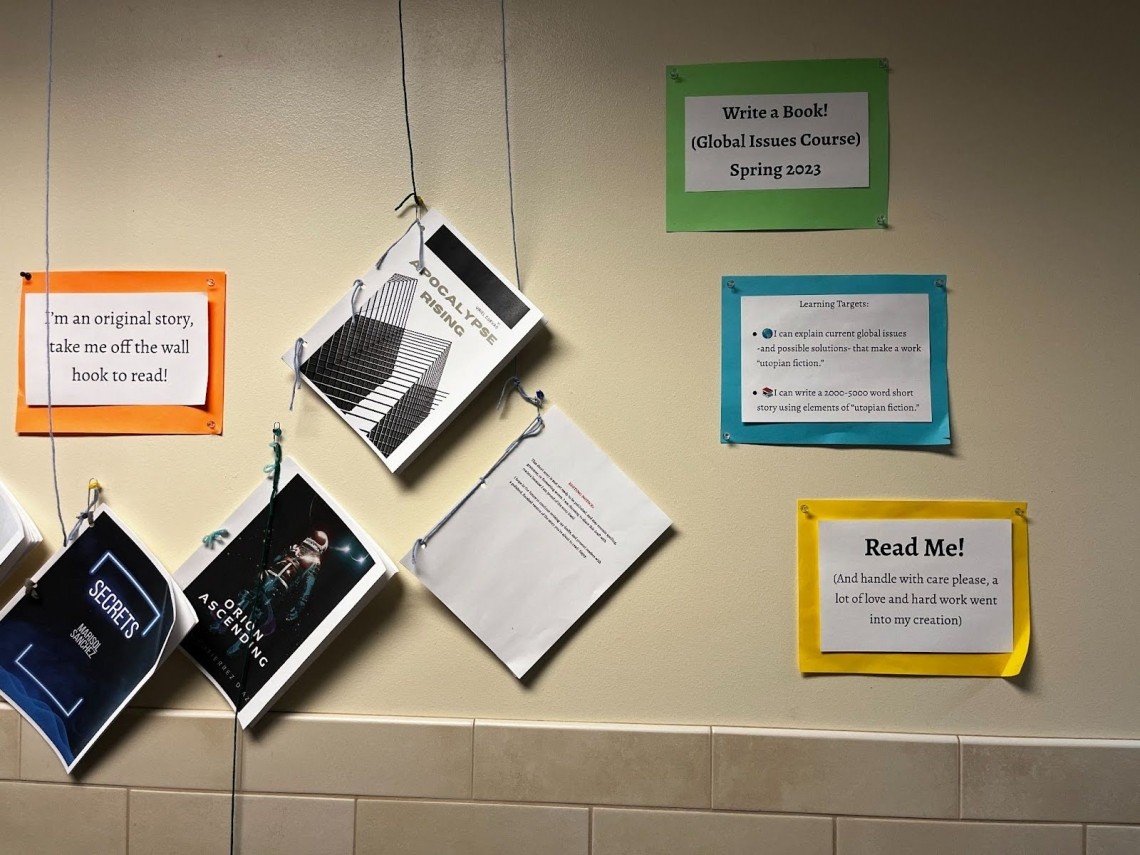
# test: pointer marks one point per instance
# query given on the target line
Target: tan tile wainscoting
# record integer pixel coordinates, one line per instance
(158, 782)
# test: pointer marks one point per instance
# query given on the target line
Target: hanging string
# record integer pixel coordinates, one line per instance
(532, 430)
(419, 202)
(380, 260)
(407, 115)
(510, 167)
(298, 348)
(47, 268)
(415, 194)
(514, 382)
(94, 492)
(507, 121)
(274, 471)
(357, 287)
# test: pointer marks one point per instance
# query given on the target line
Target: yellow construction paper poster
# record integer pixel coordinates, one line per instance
(913, 587)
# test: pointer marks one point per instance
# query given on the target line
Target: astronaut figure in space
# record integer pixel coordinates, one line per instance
(287, 583)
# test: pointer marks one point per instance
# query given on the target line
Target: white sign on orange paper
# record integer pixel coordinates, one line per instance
(117, 348)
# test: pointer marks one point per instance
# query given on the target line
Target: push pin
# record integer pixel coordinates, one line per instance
(805, 510)
(32, 588)
(27, 276)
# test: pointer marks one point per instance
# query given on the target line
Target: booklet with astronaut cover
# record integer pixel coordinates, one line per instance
(400, 360)
(266, 611)
(93, 626)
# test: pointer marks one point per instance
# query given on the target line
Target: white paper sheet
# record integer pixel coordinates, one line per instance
(112, 348)
(18, 533)
(835, 358)
(916, 586)
(523, 559)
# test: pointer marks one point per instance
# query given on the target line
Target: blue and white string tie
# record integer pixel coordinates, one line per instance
(94, 492)
(215, 537)
(298, 349)
(532, 430)
(357, 287)
(420, 205)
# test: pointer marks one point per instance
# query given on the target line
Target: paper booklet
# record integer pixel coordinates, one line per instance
(259, 628)
(102, 617)
(18, 533)
(420, 345)
(553, 527)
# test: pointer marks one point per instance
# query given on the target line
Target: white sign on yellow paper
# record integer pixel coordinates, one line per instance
(916, 586)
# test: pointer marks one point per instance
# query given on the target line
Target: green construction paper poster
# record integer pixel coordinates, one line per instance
(790, 145)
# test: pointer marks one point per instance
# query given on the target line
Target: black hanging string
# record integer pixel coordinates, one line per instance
(510, 180)
(47, 267)
(507, 121)
(414, 196)
(274, 470)
(407, 116)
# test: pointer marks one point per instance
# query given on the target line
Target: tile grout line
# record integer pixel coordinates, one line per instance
(127, 830)
(712, 772)
(471, 790)
(835, 835)
(590, 831)
(961, 781)
(355, 823)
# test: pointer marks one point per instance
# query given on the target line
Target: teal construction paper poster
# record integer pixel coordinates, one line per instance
(798, 144)
(834, 360)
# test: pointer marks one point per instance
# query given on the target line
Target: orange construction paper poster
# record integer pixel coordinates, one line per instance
(132, 419)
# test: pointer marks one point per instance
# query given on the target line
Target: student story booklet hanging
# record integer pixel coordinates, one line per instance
(18, 533)
(265, 614)
(526, 555)
(76, 645)
(401, 358)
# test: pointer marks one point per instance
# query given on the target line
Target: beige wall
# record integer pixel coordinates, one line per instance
(266, 139)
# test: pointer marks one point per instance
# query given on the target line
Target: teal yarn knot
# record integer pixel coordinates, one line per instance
(214, 537)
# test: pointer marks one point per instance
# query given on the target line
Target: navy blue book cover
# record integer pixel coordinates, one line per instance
(72, 656)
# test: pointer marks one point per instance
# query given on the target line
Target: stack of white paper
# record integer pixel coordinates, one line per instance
(18, 533)
(549, 532)
(424, 334)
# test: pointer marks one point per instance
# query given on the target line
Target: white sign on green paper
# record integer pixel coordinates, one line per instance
(772, 142)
